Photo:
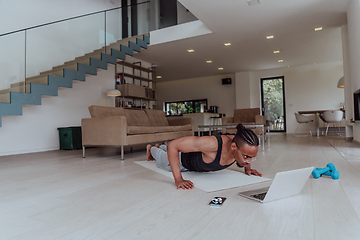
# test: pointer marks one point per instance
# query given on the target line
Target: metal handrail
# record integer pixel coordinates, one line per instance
(71, 18)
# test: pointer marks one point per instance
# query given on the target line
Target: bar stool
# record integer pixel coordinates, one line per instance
(215, 120)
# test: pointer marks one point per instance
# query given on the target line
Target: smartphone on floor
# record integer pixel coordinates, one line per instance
(217, 201)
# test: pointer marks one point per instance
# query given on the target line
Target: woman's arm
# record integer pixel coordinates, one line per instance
(186, 144)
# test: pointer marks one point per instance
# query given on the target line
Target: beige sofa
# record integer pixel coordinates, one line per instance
(114, 126)
(244, 116)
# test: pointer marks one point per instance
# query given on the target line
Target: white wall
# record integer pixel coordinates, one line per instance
(348, 92)
(36, 129)
(311, 87)
(242, 89)
(353, 83)
(210, 87)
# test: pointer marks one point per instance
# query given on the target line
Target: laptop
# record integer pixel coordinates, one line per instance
(285, 184)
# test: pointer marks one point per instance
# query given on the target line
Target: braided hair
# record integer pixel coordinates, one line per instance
(245, 135)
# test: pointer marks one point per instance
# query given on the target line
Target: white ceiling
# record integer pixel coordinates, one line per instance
(292, 23)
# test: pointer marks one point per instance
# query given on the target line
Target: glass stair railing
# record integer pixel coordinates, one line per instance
(28, 55)
(37, 60)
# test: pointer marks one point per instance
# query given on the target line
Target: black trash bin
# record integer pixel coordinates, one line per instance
(70, 138)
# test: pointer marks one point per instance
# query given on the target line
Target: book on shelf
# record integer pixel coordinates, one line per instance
(119, 79)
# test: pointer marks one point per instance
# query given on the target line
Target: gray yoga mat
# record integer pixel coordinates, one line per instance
(211, 181)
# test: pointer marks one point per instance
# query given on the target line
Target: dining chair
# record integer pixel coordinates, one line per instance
(334, 117)
(302, 119)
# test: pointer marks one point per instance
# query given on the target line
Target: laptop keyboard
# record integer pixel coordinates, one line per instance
(260, 196)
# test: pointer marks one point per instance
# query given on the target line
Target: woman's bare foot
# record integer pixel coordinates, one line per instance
(149, 157)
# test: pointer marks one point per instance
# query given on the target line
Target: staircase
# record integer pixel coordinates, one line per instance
(47, 83)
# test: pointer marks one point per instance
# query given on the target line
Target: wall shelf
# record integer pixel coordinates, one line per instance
(137, 67)
(135, 82)
(135, 77)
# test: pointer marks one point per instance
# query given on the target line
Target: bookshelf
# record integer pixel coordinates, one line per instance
(137, 85)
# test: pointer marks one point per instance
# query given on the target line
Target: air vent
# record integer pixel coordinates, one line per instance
(253, 2)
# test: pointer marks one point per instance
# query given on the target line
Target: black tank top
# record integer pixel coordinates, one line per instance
(193, 161)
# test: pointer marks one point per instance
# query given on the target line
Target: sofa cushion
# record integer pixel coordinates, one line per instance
(101, 111)
(157, 117)
(161, 129)
(136, 118)
(246, 115)
(186, 127)
(131, 130)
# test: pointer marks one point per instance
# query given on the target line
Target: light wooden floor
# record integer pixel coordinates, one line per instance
(60, 195)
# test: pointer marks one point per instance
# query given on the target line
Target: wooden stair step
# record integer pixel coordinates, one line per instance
(72, 66)
(58, 73)
(125, 42)
(36, 79)
(96, 52)
(5, 97)
(13, 88)
(73, 63)
(65, 66)
(96, 55)
(20, 87)
(4, 91)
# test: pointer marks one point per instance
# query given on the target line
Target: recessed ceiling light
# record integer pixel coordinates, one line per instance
(288, 66)
(220, 68)
(318, 29)
(208, 61)
(277, 51)
(158, 76)
(190, 50)
(280, 60)
(227, 44)
(270, 37)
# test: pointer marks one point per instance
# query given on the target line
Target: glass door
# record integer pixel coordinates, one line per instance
(273, 103)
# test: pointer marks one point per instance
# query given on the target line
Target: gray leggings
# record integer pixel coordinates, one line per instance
(162, 161)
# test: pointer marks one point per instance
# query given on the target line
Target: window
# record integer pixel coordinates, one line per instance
(178, 108)
(273, 103)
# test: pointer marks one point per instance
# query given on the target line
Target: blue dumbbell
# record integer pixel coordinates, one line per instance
(329, 170)
(334, 174)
